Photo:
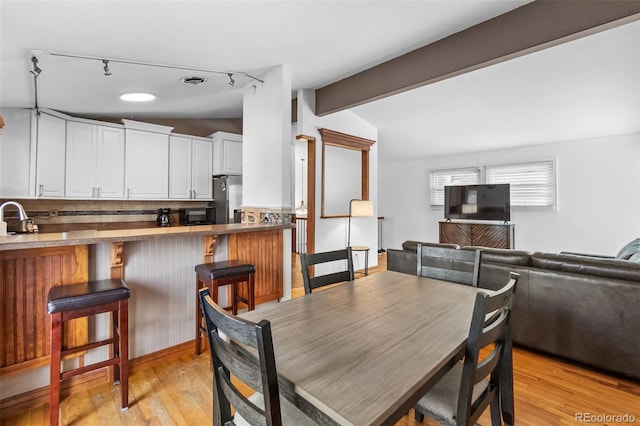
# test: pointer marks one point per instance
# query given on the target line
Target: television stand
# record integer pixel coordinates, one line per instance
(478, 234)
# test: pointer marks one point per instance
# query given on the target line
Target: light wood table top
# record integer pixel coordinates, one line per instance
(362, 353)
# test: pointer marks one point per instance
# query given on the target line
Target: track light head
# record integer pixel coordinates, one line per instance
(36, 69)
(107, 71)
(232, 82)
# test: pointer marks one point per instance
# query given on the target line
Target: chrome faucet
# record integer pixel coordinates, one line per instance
(21, 213)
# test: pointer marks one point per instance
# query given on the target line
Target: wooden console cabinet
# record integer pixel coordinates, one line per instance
(478, 234)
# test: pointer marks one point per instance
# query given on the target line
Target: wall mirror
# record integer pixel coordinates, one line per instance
(345, 171)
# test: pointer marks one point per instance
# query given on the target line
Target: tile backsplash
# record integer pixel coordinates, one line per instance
(57, 212)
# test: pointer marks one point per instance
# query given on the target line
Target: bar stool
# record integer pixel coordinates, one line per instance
(218, 274)
(66, 302)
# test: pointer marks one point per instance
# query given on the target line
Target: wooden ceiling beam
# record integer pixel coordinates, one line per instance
(530, 28)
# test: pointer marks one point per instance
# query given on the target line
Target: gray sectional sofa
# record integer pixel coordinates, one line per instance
(580, 307)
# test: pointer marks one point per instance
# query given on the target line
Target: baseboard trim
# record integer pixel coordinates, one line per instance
(37, 397)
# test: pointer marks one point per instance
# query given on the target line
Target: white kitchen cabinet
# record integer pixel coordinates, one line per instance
(146, 165)
(110, 163)
(95, 161)
(17, 143)
(202, 169)
(50, 157)
(190, 168)
(227, 153)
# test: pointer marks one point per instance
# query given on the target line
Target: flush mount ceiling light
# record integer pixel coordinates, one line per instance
(137, 97)
(193, 80)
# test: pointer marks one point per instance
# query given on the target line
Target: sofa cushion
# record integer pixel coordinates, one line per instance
(512, 257)
(630, 249)
(607, 268)
(411, 245)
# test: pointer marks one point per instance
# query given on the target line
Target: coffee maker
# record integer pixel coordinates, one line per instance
(163, 217)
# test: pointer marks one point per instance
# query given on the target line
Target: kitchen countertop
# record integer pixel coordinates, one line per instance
(71, 238)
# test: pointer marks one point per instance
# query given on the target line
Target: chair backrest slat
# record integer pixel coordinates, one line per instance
(244, 349)
(307, 261)
(449, 264)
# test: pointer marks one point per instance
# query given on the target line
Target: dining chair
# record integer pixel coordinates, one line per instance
(466, 390)
(449, 264)
(244, 350)
(307, 261)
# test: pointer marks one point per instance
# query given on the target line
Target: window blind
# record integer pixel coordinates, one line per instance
(532, 184)
(440, 178)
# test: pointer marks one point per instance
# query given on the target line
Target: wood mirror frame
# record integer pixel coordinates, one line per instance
(331, 138)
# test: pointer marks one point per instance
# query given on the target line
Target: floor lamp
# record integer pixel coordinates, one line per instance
(358, 208)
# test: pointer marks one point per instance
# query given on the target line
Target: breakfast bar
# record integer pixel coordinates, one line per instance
(158, 266)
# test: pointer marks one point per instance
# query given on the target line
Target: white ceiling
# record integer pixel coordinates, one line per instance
(588, 87)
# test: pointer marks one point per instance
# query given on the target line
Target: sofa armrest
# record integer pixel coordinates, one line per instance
(402, 261)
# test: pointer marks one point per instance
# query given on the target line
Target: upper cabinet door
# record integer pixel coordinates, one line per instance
(227, 153)
(81, 160)
(16, 153)
(180, 168)
(95, 161)
(232, 157)
(110, 163)
(202, 169)
(146, 165)
(50, 159)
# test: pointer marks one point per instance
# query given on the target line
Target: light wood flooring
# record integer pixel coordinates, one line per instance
(177, 391)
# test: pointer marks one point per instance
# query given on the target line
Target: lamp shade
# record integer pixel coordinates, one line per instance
(361, 208)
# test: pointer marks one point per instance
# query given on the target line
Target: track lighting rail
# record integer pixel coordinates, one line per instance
(106, 61)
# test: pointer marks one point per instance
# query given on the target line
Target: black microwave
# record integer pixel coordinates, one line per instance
(197, 216)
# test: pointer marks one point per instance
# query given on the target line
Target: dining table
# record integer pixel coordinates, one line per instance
(365, 351)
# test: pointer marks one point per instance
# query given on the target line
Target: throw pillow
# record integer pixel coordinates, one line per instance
(629, 250)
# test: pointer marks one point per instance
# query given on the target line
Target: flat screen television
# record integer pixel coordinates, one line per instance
(479, 202)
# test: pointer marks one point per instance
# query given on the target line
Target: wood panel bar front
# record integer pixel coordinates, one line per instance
(265, 251)
(25, 280)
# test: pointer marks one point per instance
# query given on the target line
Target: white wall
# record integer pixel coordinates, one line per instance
(331, 234)
(598, 184)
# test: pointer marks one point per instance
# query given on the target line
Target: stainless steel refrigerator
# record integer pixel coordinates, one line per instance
(227, 196)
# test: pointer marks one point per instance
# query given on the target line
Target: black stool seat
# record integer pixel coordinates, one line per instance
(218, 274)
(78, 296)
(224, 269)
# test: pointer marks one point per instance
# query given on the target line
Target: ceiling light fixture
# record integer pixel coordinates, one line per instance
(107, 71)
(36, 72)
(36, 69)
(149, 64)
(137, 97)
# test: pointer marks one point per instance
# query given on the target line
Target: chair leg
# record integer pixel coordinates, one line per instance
(198, 346)
(55, 355)
(123, 326)
(496, 418)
